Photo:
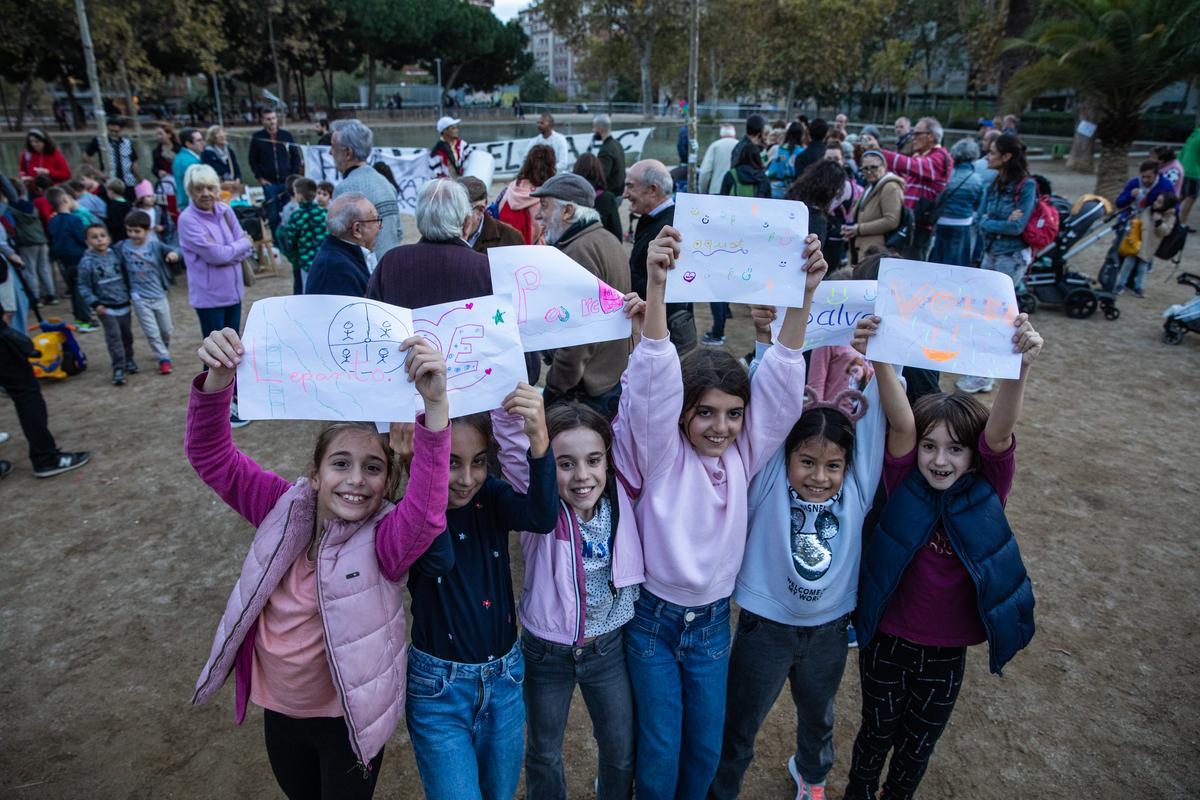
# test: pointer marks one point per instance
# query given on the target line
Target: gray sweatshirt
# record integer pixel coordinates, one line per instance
(149, 277)
(103, 279)
(801, 561)
(365, 180)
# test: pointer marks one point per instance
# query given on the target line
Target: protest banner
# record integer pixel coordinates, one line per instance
(740, 250)
(484, 359)
(558, 302)
(943, 317)
(325, 357)
(412, 166)
(837, 307)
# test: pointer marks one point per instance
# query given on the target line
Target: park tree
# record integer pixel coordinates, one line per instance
(476, 48)
(1115, 55)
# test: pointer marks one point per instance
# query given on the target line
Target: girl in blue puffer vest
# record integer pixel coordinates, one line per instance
(941, 571)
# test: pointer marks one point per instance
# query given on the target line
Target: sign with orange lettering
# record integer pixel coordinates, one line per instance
(952, 319)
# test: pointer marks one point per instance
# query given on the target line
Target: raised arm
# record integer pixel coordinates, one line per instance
(1006, 409)
(535, 510)
(795, 321)
(902, 428)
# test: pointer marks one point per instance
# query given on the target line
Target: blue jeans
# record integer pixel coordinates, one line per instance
(552, 672)
(765, 654)
(720, 313)
(952, 245)
(1135, 266)
(678, 666)
(272, 191)
(467, 725)
(215, 319)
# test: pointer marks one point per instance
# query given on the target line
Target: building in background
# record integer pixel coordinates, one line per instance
(551, 55)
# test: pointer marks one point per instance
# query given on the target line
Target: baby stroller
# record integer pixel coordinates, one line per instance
(1048, 280)
(1183, 317)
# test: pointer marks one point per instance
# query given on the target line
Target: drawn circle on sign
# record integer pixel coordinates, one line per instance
(365, 339)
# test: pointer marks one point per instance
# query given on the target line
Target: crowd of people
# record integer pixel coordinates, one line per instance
(841, 502)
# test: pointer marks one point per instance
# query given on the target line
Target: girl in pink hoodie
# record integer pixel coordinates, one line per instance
(688, 442)
(314, 629)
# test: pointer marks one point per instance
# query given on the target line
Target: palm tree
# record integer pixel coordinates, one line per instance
(1115, 55)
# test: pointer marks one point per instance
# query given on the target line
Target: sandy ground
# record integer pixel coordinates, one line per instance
(116, 574)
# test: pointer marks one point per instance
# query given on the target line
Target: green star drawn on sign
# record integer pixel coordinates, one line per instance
(499, 318)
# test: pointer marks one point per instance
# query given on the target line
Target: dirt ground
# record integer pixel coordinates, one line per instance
(116, 575)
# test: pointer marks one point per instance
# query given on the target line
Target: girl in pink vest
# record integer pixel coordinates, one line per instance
(314, 629)
(580, 586)
(688, 441)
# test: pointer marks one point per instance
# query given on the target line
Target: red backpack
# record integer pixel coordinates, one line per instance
(1042, 228)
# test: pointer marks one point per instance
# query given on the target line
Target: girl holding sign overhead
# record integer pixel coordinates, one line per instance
(466, 715)
(314, 628)
(941, 571)
(687, 443)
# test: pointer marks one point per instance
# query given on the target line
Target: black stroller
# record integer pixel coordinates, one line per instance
(1049, 282)
(1183, 317)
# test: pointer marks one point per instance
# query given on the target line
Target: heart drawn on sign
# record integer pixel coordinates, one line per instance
(487, 371)
(470, 306)
(688, 277)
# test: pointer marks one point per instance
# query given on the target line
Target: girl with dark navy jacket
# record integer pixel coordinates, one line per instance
(465, 712)
(941, 572)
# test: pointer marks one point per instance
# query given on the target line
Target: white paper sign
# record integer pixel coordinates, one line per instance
(740, 250)
(836, 309)
(558, 302)
(937, 316)
(484, 359)
(1085, 128)
(412, 166)
(325, 357)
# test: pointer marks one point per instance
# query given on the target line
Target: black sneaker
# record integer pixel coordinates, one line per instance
(131, 367)
(5, 468)
(64, 463)
(118, 377)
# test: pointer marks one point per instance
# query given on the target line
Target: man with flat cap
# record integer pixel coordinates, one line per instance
(589, 373)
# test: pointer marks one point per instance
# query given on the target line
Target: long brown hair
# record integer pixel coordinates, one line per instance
(539, 165)
(328, 436)
(1016, 167)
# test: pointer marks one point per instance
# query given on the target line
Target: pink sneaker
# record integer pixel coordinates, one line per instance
(804, 789)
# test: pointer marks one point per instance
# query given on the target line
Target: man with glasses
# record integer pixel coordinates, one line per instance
(342, 264)
(188, 156)
(926, 173)
(485, 230)
(350, 148)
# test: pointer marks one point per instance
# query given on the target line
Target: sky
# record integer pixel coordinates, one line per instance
(507, 9)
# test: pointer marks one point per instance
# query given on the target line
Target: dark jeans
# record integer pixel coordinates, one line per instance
(681, 324)
(215, 319)
(952, 245)
(70, 274)
(311, 758)
(16, 378)
(274, 199)
(765, 654)
(118, 338)
(720, 313)
(551, 673)
(908, 693)
(919, 249)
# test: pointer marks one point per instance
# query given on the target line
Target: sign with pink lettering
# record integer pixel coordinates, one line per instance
(484, 358)
(558, 302)
(740, 250)
(953, 319)
(325, 357)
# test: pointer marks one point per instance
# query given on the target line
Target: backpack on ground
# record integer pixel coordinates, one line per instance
(1042, 228)
(59, 355)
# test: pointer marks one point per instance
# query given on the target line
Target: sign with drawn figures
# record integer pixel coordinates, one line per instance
(558, 302)
(837, 307)
(325, 357)
(937, 316)
(740, 250)
(484, 359)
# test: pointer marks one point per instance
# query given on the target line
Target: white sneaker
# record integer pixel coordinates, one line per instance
(3, 437)
(971, 384)
(804, 789)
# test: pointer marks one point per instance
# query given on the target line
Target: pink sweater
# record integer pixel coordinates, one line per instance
(691, 509)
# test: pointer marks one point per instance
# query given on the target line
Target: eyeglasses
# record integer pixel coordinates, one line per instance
(377, 221)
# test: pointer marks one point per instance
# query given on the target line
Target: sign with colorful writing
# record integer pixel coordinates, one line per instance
(484, 359)
(954, 319)
(837, 307)
(325, 357)
(740, 250)
(558, 302)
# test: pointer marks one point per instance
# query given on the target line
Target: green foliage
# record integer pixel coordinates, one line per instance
(535, 87)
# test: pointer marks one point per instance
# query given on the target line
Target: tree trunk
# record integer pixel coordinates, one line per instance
(22, 103)
(370, 81)
(644, 65)
(327, 81)
(791, 97)
(713, 98)
(1114, 169)
(1021, 14)
(279, 84)
(1080, 158)
(132, 110)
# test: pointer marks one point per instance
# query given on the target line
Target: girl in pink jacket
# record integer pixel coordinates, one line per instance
(688, 442)
(314, 629)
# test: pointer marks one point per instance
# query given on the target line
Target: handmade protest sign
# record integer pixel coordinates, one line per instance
(943, 317)
(558, 302)
(837, 307)
(484, 359)
(739, 249)
(325, 357)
